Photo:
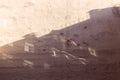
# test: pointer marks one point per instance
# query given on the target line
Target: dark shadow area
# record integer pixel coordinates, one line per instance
(85, 50)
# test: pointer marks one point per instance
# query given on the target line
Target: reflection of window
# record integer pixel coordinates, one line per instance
(29, 47)
(28, 63)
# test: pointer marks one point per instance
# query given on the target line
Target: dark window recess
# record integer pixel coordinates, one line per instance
(78, 44)
(61, 34)
(44, 49)
(39, 41)
(75, 35)
(85, 43)
(71, 39)
(85, 27)
(68, 42)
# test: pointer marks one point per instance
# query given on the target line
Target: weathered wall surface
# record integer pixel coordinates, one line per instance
(90, 25)
(20, 17)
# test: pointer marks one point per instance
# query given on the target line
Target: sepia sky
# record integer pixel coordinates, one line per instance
(20, 17)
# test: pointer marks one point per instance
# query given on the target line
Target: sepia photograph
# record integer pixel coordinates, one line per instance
(59, 39)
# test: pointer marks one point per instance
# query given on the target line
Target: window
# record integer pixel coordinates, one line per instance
(29, 47)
